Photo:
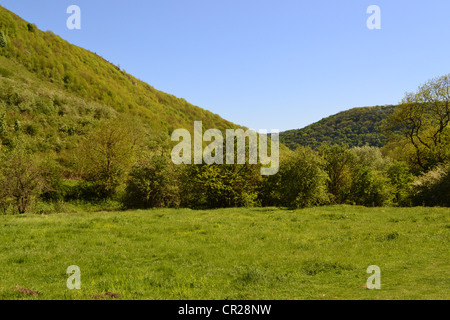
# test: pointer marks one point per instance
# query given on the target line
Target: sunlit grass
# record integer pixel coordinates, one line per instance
(261, 253)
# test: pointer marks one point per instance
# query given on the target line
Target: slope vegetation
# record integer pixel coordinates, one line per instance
(355, 127)
(42, 74)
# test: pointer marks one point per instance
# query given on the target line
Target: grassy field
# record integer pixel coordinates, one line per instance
(261, 253)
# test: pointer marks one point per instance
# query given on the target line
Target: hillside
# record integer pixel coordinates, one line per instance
(355, 127)
(50, 82)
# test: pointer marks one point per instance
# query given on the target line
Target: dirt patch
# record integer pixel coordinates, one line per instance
(25, 291)
(107, 296)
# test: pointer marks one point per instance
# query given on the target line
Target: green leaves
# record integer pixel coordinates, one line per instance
(354, 127)
(3, 41)
(152, 183)
(423, 119)
(302, 180)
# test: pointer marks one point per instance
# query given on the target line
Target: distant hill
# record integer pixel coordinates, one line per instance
(355, 127)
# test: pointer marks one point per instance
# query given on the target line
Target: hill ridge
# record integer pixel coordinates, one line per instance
(74, 69)
(356, 127)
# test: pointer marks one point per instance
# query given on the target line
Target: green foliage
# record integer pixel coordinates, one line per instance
(3, 125)
(6, 73)
(107, 155)
(422, 123)
(302, 181)
(20, 180)
(370, 183)
(51, 175)
(370, 187)
(17, 126)
(152, 183)
(371, 157)
(83, 119)
(219, 186)
(338, 161)
(433, 188)
(60, 66)
(31, 27)
(3, 41)
(355, 127)
(400, 178)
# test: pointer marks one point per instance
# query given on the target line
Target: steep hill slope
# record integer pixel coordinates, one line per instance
(355, 127)
(32, 60)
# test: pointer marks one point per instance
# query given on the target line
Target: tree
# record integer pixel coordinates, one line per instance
(432, 188)
(31, 27)
(370, 183)
(338, 161)
(21, 180)
(107, 154)
(3, 125)
(370, 187)
(422, 119)
(17, 126)
(152, 183)
(370, 157)
(3, 41)
(219, 185)
(302, 180)
(400, 178)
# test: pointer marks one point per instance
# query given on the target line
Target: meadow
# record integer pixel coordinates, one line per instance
(235, 253)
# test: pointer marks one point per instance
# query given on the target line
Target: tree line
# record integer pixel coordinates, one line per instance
(124, 160)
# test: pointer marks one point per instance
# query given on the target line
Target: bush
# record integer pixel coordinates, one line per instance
(370, 187)
(432, 188)
(106, 156)
(21, 180)
(3, 125)
(152, 183)
(6, 73)
(302, 180)
(338, 161)
(3, 41)
(400, 178)
(31, 27)
(219, 186)
(30, 129)
(370, 157)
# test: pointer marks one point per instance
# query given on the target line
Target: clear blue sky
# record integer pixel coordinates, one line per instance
(264, 64)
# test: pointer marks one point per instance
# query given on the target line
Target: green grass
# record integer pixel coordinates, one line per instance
(261, 253)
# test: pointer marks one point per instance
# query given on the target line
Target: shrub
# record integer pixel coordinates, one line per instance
(370, 187)
(21, 180)
(400, 178)
(338, 161)
(370, 157)
(219, 186)
(30, 129)
(107, 155)
(31, 27)
(152, 183)
(302, 180)
(3, 41)
(17, 126)
(6, 72)
(432, 188)
(3, 125)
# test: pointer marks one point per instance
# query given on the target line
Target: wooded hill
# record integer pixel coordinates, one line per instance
(355, 127)
(56, 89)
